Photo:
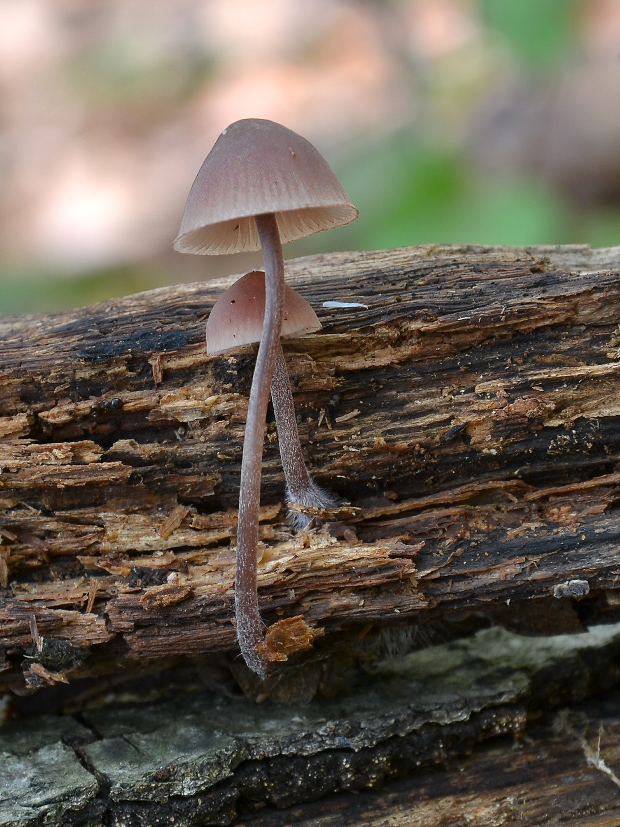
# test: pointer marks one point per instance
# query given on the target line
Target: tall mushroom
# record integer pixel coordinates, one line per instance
(237, 320)
(260, 185)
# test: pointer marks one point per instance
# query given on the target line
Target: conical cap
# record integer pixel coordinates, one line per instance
(237, 316)
(255, 167)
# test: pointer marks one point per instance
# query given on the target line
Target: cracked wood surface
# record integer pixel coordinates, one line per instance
(469, 409)
(564, 774)
(187, 752)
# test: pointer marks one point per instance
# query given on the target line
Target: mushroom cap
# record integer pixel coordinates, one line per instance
(237, 316)
(258, 167)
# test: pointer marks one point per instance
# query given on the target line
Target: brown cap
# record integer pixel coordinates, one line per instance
(237, 317)
(257, 167)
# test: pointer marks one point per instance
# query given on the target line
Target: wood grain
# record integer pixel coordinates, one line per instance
(469, 410)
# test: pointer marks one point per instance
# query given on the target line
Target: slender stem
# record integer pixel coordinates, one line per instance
(300, 487)
(249, 624)
(298, 479)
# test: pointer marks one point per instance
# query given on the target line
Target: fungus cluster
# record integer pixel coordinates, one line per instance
(261, 185)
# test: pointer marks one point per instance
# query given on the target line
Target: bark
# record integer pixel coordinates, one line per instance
(466, 404)
(563, 774)
(185, 754)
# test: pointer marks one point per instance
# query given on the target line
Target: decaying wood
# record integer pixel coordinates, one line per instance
(184, 754)
(466, 404)
(564, 774)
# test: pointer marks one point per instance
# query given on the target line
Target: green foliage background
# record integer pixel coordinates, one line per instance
(414, 187)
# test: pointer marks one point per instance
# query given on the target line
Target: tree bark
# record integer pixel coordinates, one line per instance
(449, 721)
(464, 400)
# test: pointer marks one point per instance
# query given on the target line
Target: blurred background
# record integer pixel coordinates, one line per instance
(448, 121)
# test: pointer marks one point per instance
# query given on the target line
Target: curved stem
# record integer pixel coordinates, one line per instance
(300, 487)
(249, 624)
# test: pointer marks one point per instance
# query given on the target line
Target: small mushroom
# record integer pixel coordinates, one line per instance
(236, 320)
(260, 185)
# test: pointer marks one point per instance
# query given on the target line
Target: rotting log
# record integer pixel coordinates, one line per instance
(467, 406)
(564, 774)
(188, 754)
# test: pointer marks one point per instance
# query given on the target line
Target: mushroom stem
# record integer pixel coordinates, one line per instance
(249, 624)
(300, 487)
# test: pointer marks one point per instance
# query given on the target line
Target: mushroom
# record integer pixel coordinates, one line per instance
(260, 185)
(237, 320)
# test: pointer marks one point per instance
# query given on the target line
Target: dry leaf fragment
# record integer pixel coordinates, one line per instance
(286, 637)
